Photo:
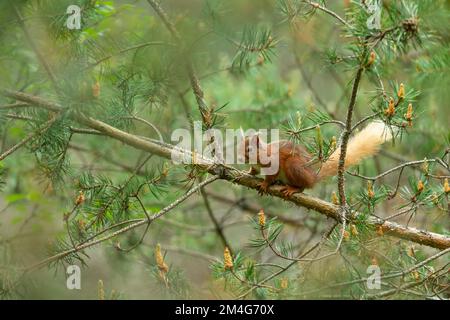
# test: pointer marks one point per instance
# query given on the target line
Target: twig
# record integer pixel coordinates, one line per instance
(122, 230)
(39, 55)
(135, 47)
(195, 83)
(15, 105)
(388, 276)
(25, 140)
(192, 253)
(401, 166)
(268, 278)
(254, 210)
(346, 136)
(218, 227)
(328, 11)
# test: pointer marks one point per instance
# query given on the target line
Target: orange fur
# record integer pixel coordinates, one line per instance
(295, 169)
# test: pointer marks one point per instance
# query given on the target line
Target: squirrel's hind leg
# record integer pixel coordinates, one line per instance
(299, 175)
(288, 191)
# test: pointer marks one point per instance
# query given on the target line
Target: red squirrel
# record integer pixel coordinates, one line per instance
(295, 163)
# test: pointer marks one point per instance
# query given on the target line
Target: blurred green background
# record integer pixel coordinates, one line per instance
(125, 49)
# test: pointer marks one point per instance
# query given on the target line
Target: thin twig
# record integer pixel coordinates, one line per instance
(195, 83)
(328, 11)
(122, 230)
(218, 227)
(25, 140)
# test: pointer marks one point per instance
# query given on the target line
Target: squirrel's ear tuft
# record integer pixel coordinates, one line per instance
(254, 139)
(241, 132)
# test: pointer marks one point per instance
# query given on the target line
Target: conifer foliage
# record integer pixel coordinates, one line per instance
(87, 113)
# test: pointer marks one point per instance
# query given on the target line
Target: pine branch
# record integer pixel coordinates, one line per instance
(346, 137)
(25, 140)
(328, 11)
(122, 51)
(241, 178)
(254, 209)
(14, 105)
(217, 225)
(114, 234)
(402, 273)
(36, 50)
(195, 83)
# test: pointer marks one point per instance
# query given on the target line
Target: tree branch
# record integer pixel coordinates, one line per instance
(25, 140)
(114, 234)
(328, 11)
(195, 83)
(346, 136)
(241, 178)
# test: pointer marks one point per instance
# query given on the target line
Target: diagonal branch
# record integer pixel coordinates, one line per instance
(35, 48)
(25, 140)
(241, 178)
(328, 11)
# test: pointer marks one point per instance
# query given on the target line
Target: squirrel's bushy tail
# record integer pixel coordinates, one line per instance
(365, 143)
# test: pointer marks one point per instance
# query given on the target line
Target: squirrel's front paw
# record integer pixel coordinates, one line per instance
(263, 188)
